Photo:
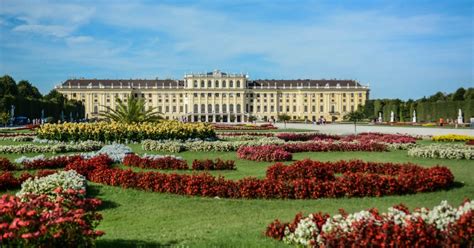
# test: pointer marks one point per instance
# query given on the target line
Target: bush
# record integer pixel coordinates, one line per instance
(121, 132)
(443, 226)
(452, 137)
(6, 165)
(218, 164)
(454, 151)
(67, 220)
(268, 153)
(46, 185)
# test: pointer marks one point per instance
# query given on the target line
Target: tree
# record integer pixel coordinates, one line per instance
(8, 86)
(55, 96)
(133, 111)
(252, 118)
(284, 118)
(355, 116)
(25, 89)
(4, 118)
(459, 94)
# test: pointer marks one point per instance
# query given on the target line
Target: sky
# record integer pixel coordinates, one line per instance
(401, 49)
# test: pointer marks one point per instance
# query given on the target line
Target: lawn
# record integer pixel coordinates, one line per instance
(134, 218)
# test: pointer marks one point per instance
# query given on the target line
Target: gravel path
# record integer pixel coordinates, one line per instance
(349, 129)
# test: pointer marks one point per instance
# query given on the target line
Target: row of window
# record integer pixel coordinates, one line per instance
(217, 84)
(250, 95)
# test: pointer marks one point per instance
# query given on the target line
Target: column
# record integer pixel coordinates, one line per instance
(207, 117)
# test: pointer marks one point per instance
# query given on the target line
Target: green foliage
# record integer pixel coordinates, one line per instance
(284, 117)
(354, 116)
(26, 90)
(133, 111)
(4, 117)
(8, 86)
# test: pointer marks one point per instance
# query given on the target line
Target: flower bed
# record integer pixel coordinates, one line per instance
(243, 127)
(313, 146)
(9, 181)
(218, 164)
(455, 151)
(443, 226)
(452, 137)
(121, 132)
(380, 138)
(40, 162)
(12, 135)
(22, 138)
(68, 220)
(163, 163)
(306, 136)
(61, 147)
(268, 153)
(65, 180)
(231, 134)
(359, 179)
(206, 146)
(6, 165)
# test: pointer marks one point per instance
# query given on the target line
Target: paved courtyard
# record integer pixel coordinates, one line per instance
(349, 129)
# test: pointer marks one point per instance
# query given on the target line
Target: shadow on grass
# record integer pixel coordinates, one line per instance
(94, 191)
(131, 243)
(456, 185)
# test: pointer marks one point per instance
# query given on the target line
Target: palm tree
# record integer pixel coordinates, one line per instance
(132, 111)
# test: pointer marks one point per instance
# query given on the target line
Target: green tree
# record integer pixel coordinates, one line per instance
(284, 118)
(354, 116)
(25, 89)
(55, 96)
(133, 111)
(252, 118)
(8, 86)
(459, 94)
(4, 118)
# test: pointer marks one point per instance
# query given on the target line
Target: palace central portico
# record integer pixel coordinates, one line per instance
(222, 97)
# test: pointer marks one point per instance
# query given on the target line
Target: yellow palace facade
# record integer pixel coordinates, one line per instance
(221, 97)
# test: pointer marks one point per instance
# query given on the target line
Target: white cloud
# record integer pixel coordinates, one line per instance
(52, 30)
(79, 39)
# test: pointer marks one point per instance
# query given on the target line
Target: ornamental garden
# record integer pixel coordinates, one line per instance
(113, 184)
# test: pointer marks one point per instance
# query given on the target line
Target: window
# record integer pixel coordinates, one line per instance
(195, 84)
(272, 108)
(224, 108)
(305, 108)
(344, 108)
(237, 108)
(203, 108)
(181, 109)
(223, 84)
(360, 94)
(174, 109)
(195, 94)
(216, 94)
(238, 94)
(294, 108)
(209, 94)
(216, 108)
(96, 109)
(287, 108)
(352, 107)
(217, 84)
(281, 109)
(313, 108)
(167, 109)
(265, 109)
(202, 83)
(209, 84)
(231, 108)
(321, 108)
(196, 108)
(333, 109)
(203, 95)
(238, 84)
(209, 108)
(258, 109)
(160, 109)
(149, 95)
(231, 84)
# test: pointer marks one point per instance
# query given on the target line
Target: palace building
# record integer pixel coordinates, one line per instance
(222, 97)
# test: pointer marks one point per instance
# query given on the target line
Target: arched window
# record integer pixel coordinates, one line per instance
(231, 84)
(231, 108)
(196, 108)
(216, 108)
(224, 108)
(203, 108)
(238, 108)
(209, 84)
(96, 109)
(195, 84)
(238, 83)
(223, 84)
(202, 83)
(217, 83)
(209, 108)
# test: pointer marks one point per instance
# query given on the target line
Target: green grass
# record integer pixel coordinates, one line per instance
(134, 218)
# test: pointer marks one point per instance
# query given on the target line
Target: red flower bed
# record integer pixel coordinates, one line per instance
(306, 136)
(67, 221)
(267, 153)
(246, 133)
(377, 229)
(359, 179)
(165, 163)
(334, 146)
(6, 165)
(470, 142)
(380, 137)
(9, 181)
(243, 127)
(50, 163)
(218, 164)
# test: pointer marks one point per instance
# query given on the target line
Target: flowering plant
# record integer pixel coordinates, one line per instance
(264, 153)
(218, 164)
(443, 226)
(162, 162)
(46, 185)
(60, 147)
(451, 151)
(452, 137)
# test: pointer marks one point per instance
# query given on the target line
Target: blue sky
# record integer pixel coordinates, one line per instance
(403, 49)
